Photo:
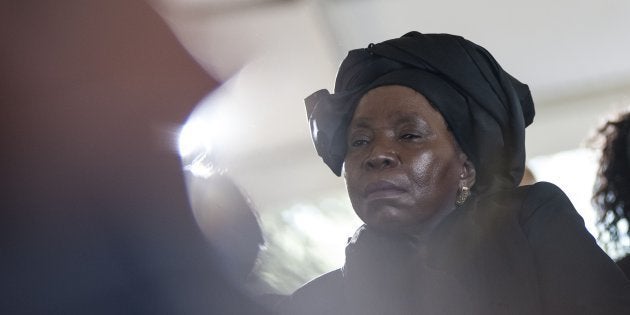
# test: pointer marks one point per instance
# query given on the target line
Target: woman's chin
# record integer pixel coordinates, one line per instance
(392, 222)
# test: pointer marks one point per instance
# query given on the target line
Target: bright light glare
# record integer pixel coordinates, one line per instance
(195, 136)
(207, 128)
(202, 166)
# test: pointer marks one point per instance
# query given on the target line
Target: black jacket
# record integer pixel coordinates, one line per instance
(522, 251)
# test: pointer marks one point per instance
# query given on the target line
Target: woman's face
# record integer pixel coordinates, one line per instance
(403, 167)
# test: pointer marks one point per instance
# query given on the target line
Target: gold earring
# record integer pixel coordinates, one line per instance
(462, 195)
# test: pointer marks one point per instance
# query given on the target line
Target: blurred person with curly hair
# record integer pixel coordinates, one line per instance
(611, 195)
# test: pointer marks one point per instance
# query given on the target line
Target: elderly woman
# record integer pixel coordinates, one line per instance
(428, 132)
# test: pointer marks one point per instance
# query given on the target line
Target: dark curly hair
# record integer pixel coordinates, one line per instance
(611, 195)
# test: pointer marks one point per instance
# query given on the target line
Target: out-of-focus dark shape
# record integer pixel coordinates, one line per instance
(95, 216)
(228, 220)
(611, 195)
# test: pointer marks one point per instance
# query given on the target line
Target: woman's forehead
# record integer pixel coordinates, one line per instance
(391, 117)
(395, 104)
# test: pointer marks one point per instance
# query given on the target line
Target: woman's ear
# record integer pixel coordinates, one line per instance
(467, 174)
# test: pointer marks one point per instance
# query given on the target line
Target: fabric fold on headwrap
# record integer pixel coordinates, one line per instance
(485, 107)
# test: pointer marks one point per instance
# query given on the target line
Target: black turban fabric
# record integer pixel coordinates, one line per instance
(485, 107)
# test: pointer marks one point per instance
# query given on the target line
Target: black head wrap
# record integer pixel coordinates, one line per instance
(485, 107)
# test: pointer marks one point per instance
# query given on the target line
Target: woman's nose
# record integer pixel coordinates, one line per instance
(381, 159)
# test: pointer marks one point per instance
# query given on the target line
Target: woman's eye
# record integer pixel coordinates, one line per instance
(409, 136)
(360, 142)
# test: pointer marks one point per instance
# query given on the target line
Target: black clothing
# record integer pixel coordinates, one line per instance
(486, 108)
(624, 264)
(519, 251)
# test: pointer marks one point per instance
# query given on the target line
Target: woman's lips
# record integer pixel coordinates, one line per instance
(382, 189)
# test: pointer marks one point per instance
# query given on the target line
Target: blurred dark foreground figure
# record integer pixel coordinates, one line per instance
(428, 131)
(95, 216)
(229, 221)
(612, 186)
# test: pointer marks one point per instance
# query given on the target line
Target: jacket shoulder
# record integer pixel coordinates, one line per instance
(521, 203)
(544, 197)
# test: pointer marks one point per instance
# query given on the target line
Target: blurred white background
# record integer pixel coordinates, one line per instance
(270, 54)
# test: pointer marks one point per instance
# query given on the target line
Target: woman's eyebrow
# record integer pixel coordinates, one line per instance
(408, 119)
(360, 123)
